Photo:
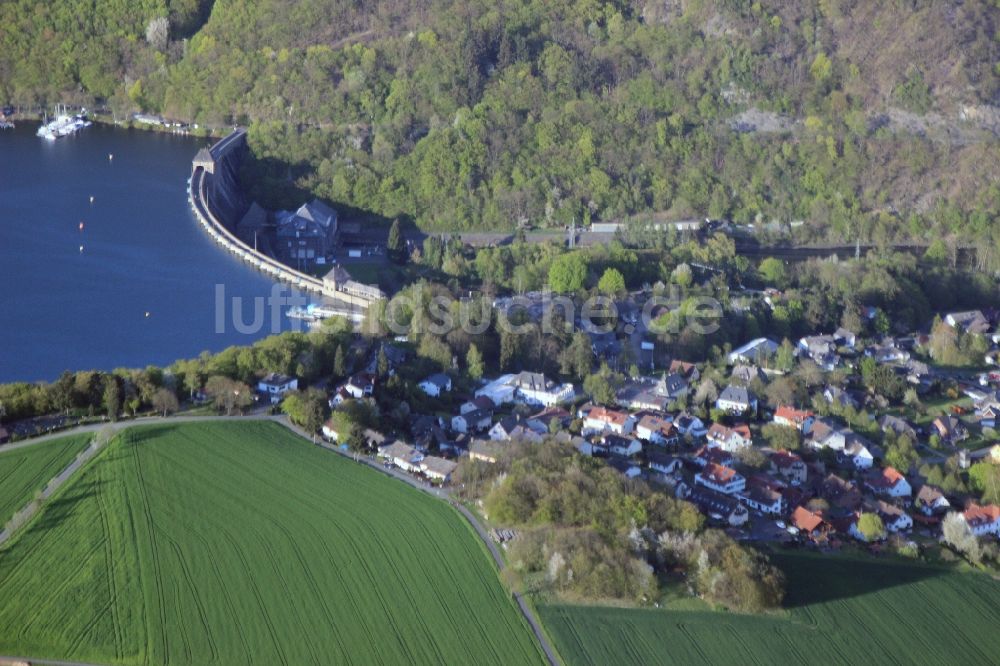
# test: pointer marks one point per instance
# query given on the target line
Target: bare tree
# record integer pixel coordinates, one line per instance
(958, 535)
(158, 33)
(165, 401)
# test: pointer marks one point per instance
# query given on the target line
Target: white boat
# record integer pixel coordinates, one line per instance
(63, 125)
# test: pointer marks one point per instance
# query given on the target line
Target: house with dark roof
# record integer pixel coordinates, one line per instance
(276, 385)
(930, 500)
(624, 465)
(736, 400)
(436, 384)
(662, 462)
(971, 321)
(718, 505)
(763, 497)
(477, 420)
(306, 234)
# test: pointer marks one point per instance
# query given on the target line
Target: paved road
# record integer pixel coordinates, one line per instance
(440, 493)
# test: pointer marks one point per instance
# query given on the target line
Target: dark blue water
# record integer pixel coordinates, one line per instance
(143, 251)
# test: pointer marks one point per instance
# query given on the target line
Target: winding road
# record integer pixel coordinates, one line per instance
(526, 610)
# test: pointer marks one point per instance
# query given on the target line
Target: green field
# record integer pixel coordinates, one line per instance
(237, 543)
(25, 471)
(839, 611)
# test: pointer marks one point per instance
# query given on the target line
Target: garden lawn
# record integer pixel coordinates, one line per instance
(239, 543)
(25, 471)
(839, 611)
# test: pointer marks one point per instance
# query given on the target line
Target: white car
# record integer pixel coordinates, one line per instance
(780, 524)
(793, 530)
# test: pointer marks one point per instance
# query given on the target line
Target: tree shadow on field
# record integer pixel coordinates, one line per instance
(815, 580)
(53, 513)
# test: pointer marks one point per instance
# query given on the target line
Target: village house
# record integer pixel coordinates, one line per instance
(888, 351)
(527, 388)
(948, 428)
(689, 424)
(736, 400)
(647, 393)
(656, 430)
(822, 349)
(982, 520)
(715, 504)
(825, 434)
(888, 482)
(437, 469)
(799, 419)
(840, 493)
(504, 428)
(834, 395)
(721, 479)
(663, 463)
(621, 446)
(481, 402)
(810, 525)
(329, 431)
(931, 501)
(274, 386)
(625, 466)
(436, 384)
(889, 423)
(744, 375)
(542, 421)
(473, 421)
(708, 455)
(844, 338)
(729, 439)
(402, 455)
(361, 385)
(763, 497)
(395, 356)
(601, 419)
(756, 351)
(788, 466)
(689, 371)
(338, 397)
(893, 517)
(856, 453)
(972, 321)
(487, 451)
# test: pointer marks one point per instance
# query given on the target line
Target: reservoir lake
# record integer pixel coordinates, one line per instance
(138, 284)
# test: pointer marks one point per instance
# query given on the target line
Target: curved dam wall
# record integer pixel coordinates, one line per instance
(218, 203)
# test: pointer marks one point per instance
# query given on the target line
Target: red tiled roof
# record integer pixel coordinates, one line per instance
(608, 416)
(887, 478)
(785, 459)
(718, 473)
(791, 414)
(981, 515)
(806, 520)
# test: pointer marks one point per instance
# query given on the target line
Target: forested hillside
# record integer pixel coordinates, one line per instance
(876, 119)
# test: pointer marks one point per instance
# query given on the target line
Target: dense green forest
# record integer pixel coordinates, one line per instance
(873, 119)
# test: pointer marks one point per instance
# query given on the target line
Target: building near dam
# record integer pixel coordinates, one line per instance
(282, 244)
